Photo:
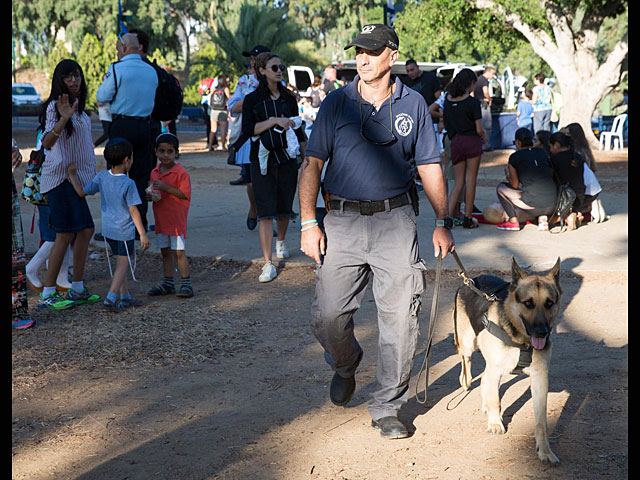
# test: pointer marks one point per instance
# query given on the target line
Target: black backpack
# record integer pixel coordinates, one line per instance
(169, 96)
(217, 101)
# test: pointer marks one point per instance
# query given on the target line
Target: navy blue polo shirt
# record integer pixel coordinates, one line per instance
(360, 170)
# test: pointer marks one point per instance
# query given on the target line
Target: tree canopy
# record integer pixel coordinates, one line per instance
(576, 41)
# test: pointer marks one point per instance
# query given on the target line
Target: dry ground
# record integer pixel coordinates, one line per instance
(230, 384)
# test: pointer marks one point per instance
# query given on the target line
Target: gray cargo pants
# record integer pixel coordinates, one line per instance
(383, 246)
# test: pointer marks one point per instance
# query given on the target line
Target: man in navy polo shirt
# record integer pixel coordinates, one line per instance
(373, 133)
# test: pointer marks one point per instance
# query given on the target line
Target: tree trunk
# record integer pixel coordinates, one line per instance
(572, 57)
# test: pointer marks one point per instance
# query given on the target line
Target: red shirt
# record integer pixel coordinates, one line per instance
(170, 212)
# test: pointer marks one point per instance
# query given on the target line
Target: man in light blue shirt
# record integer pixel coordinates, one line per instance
(130, 86)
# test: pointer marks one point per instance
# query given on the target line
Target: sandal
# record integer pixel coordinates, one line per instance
(161, 289)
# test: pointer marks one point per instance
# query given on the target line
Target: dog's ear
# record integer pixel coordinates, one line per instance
(554, 273)
(516, 272)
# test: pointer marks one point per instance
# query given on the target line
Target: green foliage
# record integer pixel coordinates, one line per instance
(436, 30)
(58, 54)
(89, 57)
(257, 24)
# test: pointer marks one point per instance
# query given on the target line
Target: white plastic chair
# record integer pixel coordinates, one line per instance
(615, 133)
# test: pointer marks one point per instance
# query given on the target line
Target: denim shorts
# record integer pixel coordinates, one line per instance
(118, 247)
(46, 234)
(69, 212)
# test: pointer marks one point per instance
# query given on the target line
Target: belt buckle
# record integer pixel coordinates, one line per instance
(365, 207)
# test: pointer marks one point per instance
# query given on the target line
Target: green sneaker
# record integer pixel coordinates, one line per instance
(55, 301)
(83, 297)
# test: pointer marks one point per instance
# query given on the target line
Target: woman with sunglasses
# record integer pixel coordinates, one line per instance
(67, 139)
(266, 114)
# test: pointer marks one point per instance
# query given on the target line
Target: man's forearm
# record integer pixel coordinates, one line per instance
(309, 186)
(433, 185)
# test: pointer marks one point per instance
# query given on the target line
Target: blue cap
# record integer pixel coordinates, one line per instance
(115, 141)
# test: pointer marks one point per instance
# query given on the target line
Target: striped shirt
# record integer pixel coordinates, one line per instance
(77, 148)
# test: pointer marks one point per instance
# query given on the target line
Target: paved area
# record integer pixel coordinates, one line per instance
(217, 222)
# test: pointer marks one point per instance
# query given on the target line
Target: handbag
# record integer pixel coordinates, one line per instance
(31, 182)
(566, 197)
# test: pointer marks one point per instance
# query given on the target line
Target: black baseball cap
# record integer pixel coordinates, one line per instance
(375, 36)
(256, 50)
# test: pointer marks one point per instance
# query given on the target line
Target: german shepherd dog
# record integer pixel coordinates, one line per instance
(513, 335)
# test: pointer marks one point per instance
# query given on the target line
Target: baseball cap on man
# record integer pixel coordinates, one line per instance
(256, 50)
(375, 36)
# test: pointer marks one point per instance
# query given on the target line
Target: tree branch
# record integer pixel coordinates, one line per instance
(540, 40)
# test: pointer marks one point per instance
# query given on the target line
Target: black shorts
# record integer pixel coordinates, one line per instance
(119, 248)
(275, 191)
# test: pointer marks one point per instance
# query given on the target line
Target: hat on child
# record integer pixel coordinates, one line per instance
(115, 141)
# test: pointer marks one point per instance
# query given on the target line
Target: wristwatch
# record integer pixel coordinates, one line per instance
(446, 222)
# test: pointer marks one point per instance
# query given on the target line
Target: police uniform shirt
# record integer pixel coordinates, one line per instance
(360, 170)
(137, 83)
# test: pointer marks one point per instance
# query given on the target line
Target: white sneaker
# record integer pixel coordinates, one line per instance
(281, 249)
(268, 273)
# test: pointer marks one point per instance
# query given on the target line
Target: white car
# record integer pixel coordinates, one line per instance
(24, 94)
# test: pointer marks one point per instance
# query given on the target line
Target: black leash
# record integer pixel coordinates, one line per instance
(424, 368)
(432, 322)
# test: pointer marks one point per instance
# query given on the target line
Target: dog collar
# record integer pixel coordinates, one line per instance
(497, 331)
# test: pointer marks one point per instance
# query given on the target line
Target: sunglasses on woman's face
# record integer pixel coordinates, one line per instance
(275, 68)
(71, 76)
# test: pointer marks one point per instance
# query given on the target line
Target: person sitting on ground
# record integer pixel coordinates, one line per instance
(592, 186)
(120, 216)
(170, 191)
(568, 165)
(530, 192)
(541, 140)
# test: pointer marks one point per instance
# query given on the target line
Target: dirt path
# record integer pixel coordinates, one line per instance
(231, 384)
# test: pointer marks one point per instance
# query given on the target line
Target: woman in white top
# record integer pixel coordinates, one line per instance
(67, 140)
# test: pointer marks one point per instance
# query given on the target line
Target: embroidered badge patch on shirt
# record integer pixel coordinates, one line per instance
(404, 124)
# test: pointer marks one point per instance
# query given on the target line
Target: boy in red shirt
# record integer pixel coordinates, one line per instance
(170, 191)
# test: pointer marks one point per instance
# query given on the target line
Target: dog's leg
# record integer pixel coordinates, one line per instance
(490, 387)
(465, 340)
(465, 374)
(539, 392)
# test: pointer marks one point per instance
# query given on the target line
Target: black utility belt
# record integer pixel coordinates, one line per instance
(117, 115)
(369, 207)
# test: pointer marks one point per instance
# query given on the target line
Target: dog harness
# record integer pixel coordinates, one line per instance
(525, 351)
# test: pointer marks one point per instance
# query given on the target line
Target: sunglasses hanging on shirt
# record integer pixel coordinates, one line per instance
(390, 129)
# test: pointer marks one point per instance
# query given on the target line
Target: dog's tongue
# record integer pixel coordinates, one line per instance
(539, 342)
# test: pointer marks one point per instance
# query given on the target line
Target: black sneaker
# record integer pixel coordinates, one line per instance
(238, 181)
(98, 237)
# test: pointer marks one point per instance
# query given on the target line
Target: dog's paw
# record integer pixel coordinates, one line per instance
(547, 456)
(496, 428)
